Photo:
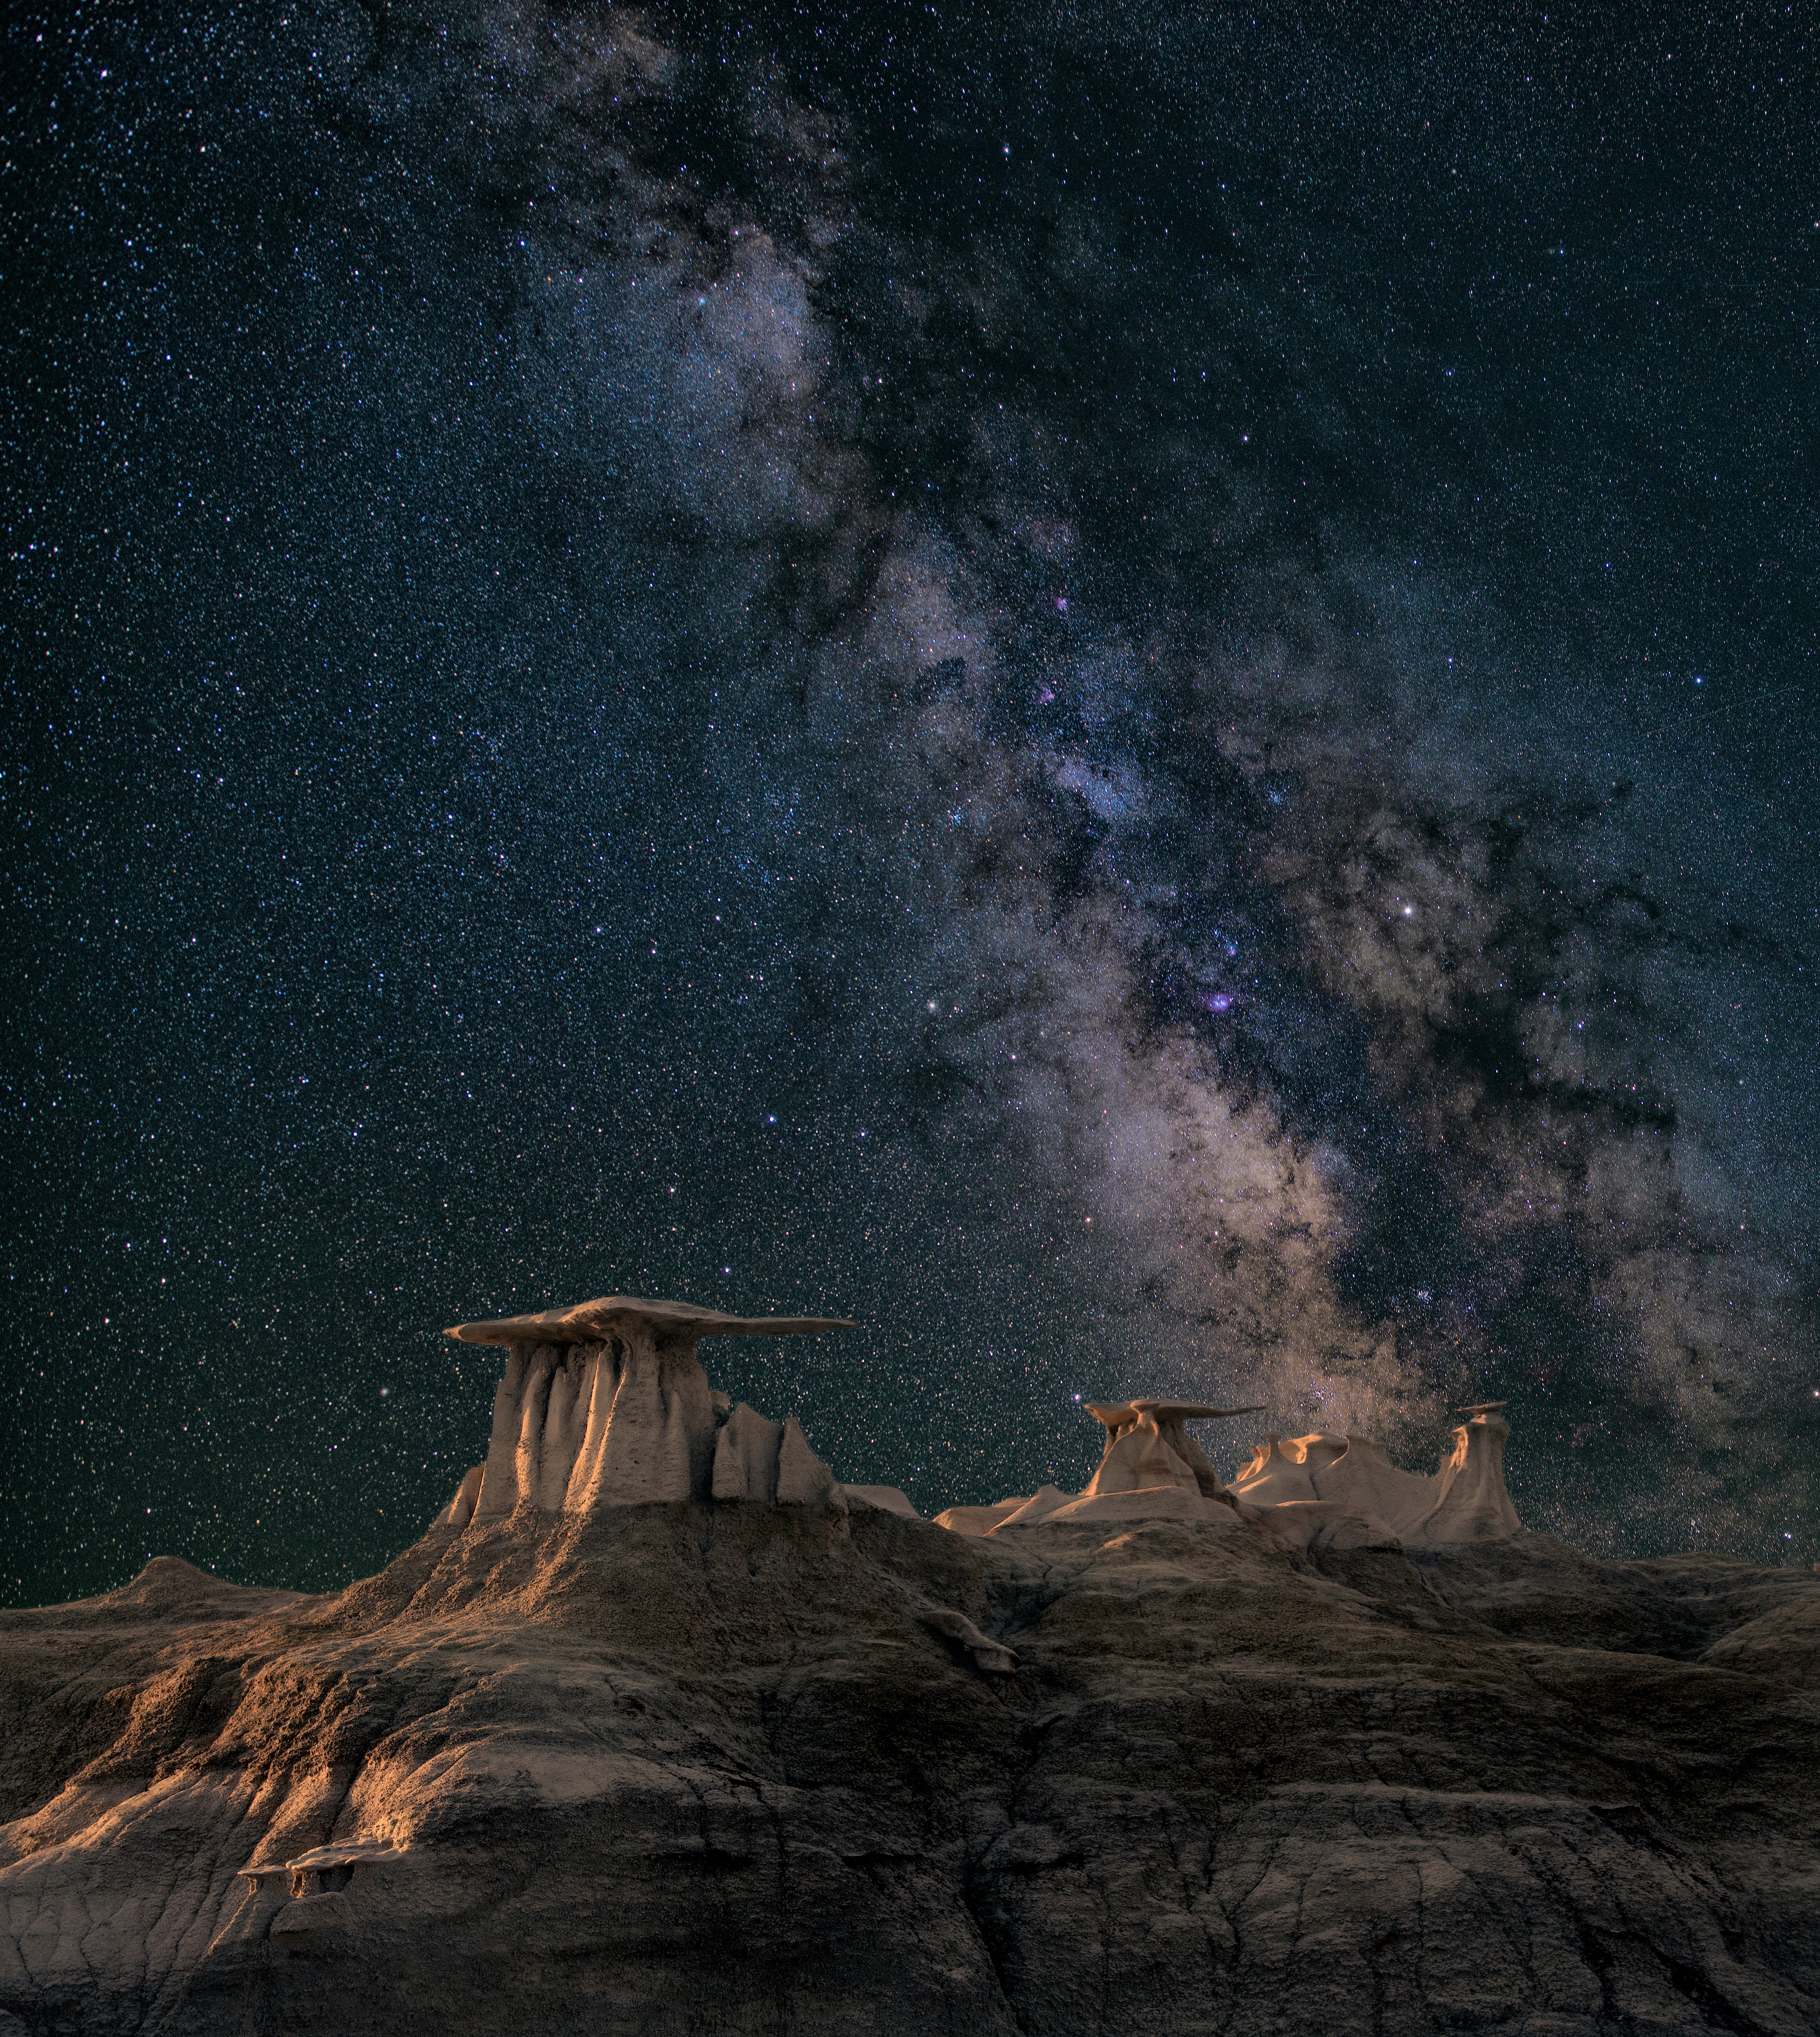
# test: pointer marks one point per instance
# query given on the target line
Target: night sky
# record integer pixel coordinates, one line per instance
(1131, 692)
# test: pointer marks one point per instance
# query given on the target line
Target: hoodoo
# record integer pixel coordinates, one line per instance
(1330, 1490)
(1146, 1446)
(1465, 1501)
(605, 1404)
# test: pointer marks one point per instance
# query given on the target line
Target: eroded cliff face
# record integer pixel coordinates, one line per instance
(736, 1768)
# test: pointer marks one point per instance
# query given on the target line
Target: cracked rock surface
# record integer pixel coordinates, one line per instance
(691, 1768)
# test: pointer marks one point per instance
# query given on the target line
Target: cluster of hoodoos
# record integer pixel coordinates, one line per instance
(606, 1404)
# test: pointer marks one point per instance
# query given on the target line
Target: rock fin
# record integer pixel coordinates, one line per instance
(745, 1456)
(803, 1478)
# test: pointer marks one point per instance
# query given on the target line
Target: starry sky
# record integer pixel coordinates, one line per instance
(1130, 691)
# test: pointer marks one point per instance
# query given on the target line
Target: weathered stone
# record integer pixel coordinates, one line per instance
(889, 1497)
(737, 1768)
(1465, 1501)
(1148, 1448)
(660, 1728)
(606, 1404)
(1330, 1491)
(745, 1456)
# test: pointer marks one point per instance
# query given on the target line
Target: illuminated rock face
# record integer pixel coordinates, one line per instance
(606, 1404)
(745, 1764)
(781, 1771)
(1465, 1501)
(1146, 1447)
(1150, 1467)
(1315, 1490)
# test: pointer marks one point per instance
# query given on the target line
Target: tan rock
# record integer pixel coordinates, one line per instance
(1147, 1447)
(785, 1769)
(605, 1404)
(1466, 1500)
(890, 1498)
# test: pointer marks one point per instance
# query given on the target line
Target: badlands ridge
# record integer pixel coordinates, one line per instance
(661, 1727)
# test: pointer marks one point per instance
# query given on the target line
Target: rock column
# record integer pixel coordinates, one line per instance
(607, 1404)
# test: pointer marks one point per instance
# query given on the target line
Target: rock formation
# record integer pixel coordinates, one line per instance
(1146, 1446)
(605, 1404)
(763, 1756)
(1332, 1491)
(1465, 1501)
(683, 1766)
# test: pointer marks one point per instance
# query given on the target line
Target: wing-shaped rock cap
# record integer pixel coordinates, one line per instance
(1147, 1449)
(589, 1322)
(1123, 1416)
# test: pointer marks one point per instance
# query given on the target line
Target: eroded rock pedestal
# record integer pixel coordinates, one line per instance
(1312, 1491)
(607, 1404)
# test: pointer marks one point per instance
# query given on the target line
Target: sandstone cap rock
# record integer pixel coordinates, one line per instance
(1124, 1413)
(590, 1322)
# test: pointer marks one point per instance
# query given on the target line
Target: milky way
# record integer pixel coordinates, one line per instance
(1135, 701)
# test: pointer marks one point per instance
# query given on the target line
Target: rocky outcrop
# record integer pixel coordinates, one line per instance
(1312, 1491)
(731, 1768)
(754, 1459)
(1465, 1501)
(605, 1404)
(658, 1728)
(1147, 1447)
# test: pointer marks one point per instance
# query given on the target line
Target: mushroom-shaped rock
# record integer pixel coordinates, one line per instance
(605, 1404)
(1146, 1447)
